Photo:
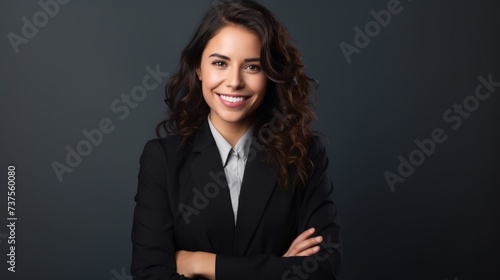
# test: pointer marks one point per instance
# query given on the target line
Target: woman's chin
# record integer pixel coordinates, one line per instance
(233, 118)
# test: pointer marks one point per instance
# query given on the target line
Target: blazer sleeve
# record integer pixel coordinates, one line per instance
(153, 246)
(318, 210)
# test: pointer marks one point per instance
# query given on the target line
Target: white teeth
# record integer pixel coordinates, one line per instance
(232, 99)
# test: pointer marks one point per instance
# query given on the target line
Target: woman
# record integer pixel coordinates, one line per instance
(239, 189)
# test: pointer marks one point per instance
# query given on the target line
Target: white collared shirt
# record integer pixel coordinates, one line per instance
(234, 160)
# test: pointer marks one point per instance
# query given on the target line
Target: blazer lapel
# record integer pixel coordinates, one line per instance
(208, 173)
(256, 189)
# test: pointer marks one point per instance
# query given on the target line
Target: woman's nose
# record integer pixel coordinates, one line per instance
(234, 79)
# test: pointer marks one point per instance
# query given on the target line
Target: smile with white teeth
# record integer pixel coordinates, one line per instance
(232, 99)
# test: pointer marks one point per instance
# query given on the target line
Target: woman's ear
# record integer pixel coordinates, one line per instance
(198, 73)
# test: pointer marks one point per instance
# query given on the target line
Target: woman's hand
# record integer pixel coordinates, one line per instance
(184, 263)
(303, 246)
(195, 264)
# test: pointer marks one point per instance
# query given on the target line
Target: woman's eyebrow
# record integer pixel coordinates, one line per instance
(227, 58)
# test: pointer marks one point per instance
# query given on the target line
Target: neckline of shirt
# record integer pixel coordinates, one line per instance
(241, 148)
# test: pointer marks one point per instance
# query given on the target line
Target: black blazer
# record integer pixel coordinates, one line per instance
(183, 203)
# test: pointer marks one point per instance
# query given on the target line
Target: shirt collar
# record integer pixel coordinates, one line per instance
(242, 147)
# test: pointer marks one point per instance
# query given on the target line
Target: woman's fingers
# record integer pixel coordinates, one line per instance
(303, 236)
(308, 252)
(304, 246)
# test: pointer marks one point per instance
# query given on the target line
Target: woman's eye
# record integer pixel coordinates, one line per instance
(254, 68)
(219, 63)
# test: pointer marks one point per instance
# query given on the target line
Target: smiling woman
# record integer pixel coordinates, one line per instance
(233, 82)
(218, 200)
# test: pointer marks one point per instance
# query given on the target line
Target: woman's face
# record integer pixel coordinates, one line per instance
(232, 79)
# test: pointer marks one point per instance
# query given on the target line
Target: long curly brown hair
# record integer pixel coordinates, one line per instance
(283, 119)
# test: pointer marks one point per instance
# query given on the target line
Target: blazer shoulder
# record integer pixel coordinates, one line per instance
(317, 146)
(171, 142)
(167, 148)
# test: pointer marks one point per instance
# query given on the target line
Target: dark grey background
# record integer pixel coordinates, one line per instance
(441, 223)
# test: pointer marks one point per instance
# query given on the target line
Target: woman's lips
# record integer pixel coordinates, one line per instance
(231, 100)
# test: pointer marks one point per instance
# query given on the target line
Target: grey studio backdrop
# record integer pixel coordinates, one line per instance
(410, 106)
